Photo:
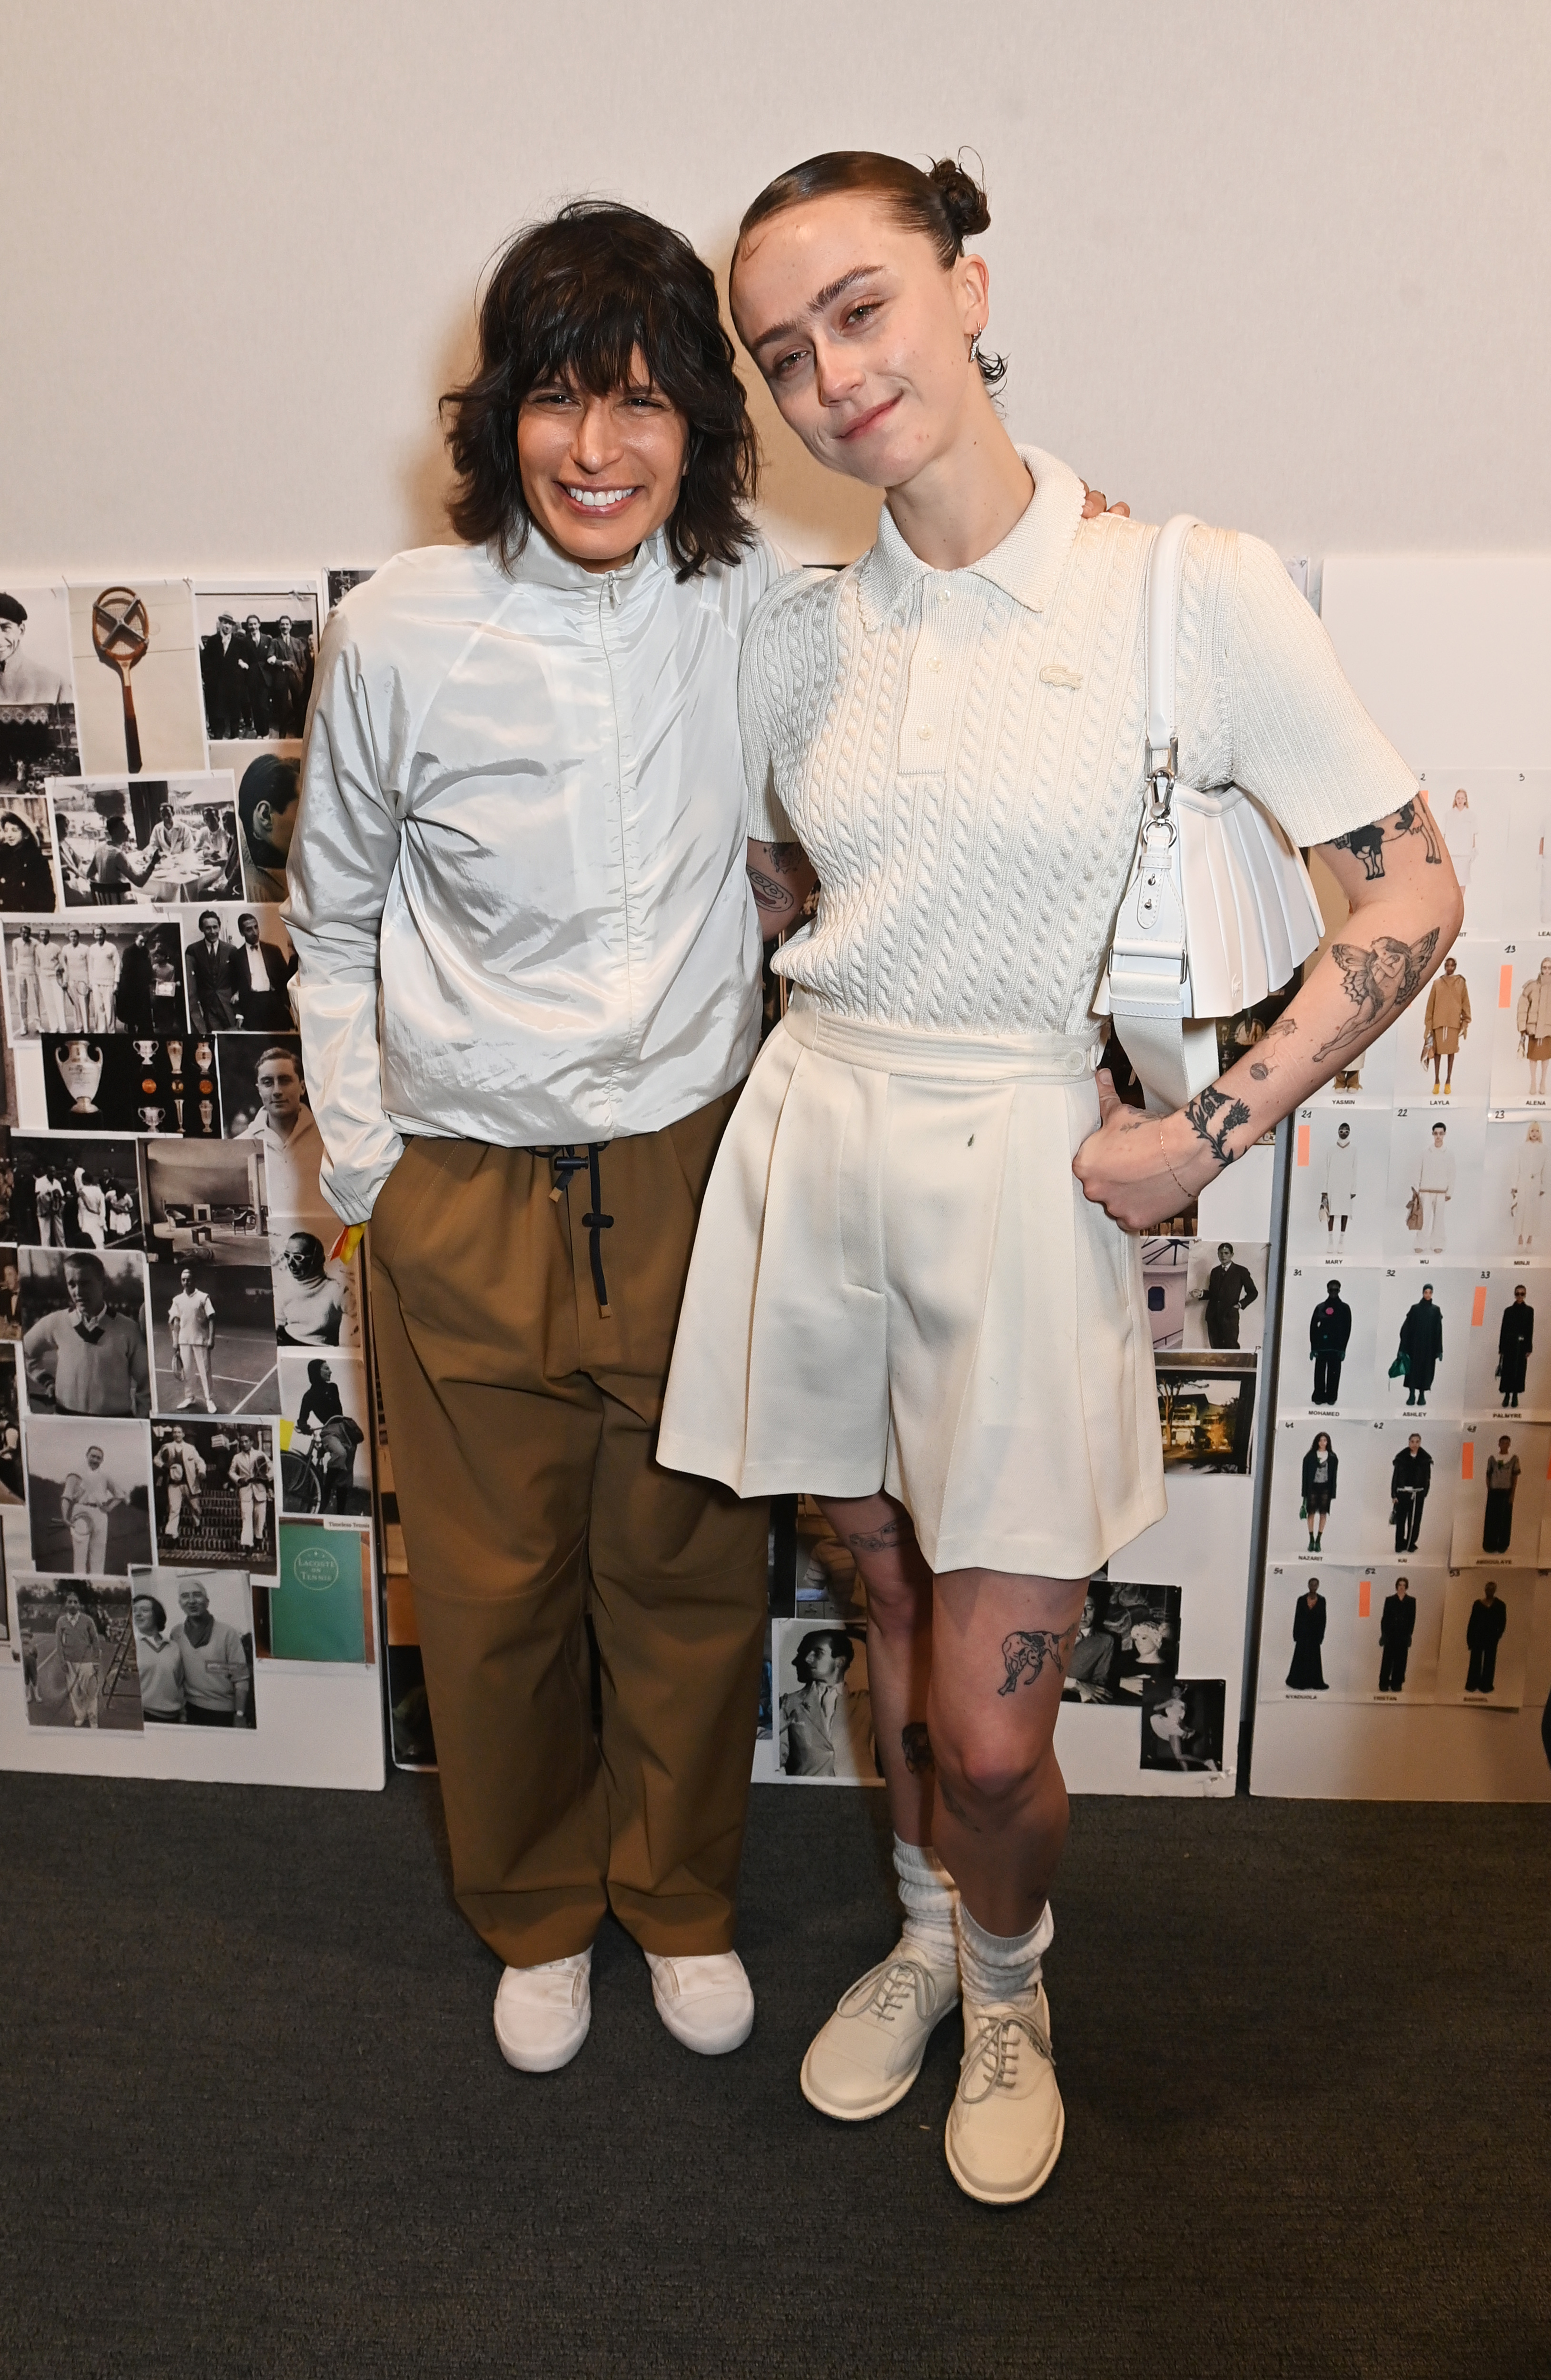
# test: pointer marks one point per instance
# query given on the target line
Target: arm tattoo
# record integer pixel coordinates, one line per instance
(1028, 1649)
(1230, 1114)
(1386, 977)
(872, 1541)
(1366, 843)
(916, 1745)
(785, 854)
(767, 891)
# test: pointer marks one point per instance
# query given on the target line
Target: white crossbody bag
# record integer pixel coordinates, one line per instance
(1220, 910)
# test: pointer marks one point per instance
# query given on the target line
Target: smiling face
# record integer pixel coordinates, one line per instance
(600, 474)
(862, 335)
(194, 1599)
(11, 633)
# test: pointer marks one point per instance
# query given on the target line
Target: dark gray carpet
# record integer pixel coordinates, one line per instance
(257, 2124)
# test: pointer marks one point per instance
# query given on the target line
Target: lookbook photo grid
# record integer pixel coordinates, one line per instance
(1414, 1409)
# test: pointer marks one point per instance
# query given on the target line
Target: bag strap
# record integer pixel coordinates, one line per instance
(1165, 564)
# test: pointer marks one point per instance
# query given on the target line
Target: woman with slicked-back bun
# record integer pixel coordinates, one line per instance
(916, 1290)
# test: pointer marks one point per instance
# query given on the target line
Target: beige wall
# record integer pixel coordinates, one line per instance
(1288, 267)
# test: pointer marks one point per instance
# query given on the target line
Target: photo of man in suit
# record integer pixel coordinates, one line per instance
(220, 674)
(257, 979)
(210, 1006)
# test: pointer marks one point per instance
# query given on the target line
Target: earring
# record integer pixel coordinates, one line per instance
(974, 347)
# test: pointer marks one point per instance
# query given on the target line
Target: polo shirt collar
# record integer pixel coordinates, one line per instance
(1025, 566)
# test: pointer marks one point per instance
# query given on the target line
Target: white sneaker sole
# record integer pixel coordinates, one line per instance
(1007, 2197)
(896, 2091)
(549, 2064)
(718, 2045)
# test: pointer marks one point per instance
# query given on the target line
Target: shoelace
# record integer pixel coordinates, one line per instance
(884, 1992)
(996, 2049)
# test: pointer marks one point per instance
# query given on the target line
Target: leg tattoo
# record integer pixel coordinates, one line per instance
(872, 1541)
(916, 1745)
(1028, 1649)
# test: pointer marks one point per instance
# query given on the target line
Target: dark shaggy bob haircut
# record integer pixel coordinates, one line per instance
(572, 300)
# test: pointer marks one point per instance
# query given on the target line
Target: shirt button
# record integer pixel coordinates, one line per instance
(925, 734)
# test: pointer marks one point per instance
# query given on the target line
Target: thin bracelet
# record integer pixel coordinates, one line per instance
(1168, 1169)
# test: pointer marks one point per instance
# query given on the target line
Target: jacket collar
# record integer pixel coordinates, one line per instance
(1025, 566)
(542, 565)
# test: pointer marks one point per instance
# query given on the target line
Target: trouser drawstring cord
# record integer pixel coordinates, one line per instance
(563, 1163)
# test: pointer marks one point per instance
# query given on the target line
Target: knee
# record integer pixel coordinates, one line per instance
(897, 1603)
(992, 1771)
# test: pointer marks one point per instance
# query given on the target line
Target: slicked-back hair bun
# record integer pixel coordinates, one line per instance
(946, 204)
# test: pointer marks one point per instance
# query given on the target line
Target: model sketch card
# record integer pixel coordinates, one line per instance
(78, 1654)
(206, 1202)
(1329, 1318)
(1369, 1080)
(1515, 1219)
(1182, 1721)
(1128, 1638)
(1305, 1631)
(1205, 1411)
(137, 676)
(1393, 1654)
(823, 1715)
(1408, 1514)
(152, 840)
(1508, 1368)
(1225, 1295)
(1336, 1496)
(213, 1333)
(1501, 1494)
(62, 1192)
(13, 1477)
(1340, 1166)
(326, 1460)
(27, 879)
(83, 1330)
(1488, 1619)
(216, 1489)
(1424, 1340)
(1471, 811)
(194, 1642)
(88, 1494)
(144, 1085)
(319, 1607)
(119, 971)
(1522, 1025)
(1527, 897)
(257, 650)
(1433, 1203)
(1441, 1046)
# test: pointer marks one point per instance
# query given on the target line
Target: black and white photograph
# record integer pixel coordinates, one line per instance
(823, 1715)
(121, 973)
(88, 1494)
(194, 1646)
(10, 1294)
(151, 1084)
(83, 1340)
(1166, 1279)
(827, 1584)
(77, 1653)
(1183, 1725)
(1225, 1295)
(1424, 1340)
(212, 1332)
(264, 1099)
(1433, 1202)
(216, 1485)
(1500, 1497)
(268, 779)
(258, 649)
(136, 667)
(1488, 1619)
(60, 1193)
(325, 1462)
(1508, 1367)
(1128, 1635)
(1336, 1198)
(237, 963)
(1205, 1411)
(37, 711)
(150, 840)
(340, 583)
(1329, 1318)
(13, 1478)
(27, 885)
(1393, 1656)
(1515, 1225)
(206, 1202)
(316, 1297)
(1306, 1630)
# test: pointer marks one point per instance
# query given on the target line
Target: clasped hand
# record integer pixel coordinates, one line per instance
(1141, 1168)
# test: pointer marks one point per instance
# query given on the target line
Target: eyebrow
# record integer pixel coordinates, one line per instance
(825, 298)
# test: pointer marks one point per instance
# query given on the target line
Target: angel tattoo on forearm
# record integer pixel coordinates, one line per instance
(1385, 977)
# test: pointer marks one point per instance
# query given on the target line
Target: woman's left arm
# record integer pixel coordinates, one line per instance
(1406, 910)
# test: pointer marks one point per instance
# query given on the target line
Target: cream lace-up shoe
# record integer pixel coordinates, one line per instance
(868, 2055)
(706, 2002)
(1006, 2123)
(543, 2013)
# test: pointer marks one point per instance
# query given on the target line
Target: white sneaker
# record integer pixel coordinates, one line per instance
(707, 2002)
(543, 2013)
(866, 2058)
(1005, 2126)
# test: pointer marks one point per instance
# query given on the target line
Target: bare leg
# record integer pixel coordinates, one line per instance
(877, 1531)
(1001, 1644)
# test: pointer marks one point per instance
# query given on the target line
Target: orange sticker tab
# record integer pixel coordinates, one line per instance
(1466, 1458)
(1478, 1307)
(1365, 1597)
(1304, 1131)
(1505, 987)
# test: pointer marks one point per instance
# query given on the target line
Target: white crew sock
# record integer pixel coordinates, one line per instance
(1001, 1966)
(930, 1898)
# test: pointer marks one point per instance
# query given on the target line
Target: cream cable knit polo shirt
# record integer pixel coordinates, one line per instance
(960, 752)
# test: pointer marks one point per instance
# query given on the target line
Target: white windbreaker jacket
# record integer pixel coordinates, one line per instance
(517, 883)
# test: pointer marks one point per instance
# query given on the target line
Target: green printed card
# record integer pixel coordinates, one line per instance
(318, 1607)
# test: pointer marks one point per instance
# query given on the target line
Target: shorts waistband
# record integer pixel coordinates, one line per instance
(943, 1057)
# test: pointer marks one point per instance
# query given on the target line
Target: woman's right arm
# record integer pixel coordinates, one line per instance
(781, 875)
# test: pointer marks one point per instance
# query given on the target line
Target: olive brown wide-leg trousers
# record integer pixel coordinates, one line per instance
(523, 1425)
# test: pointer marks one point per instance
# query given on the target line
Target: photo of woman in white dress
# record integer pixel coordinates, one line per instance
(917, 1289)
(1526, 1191)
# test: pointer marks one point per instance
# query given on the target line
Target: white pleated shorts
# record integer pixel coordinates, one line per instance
(897, 1283)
